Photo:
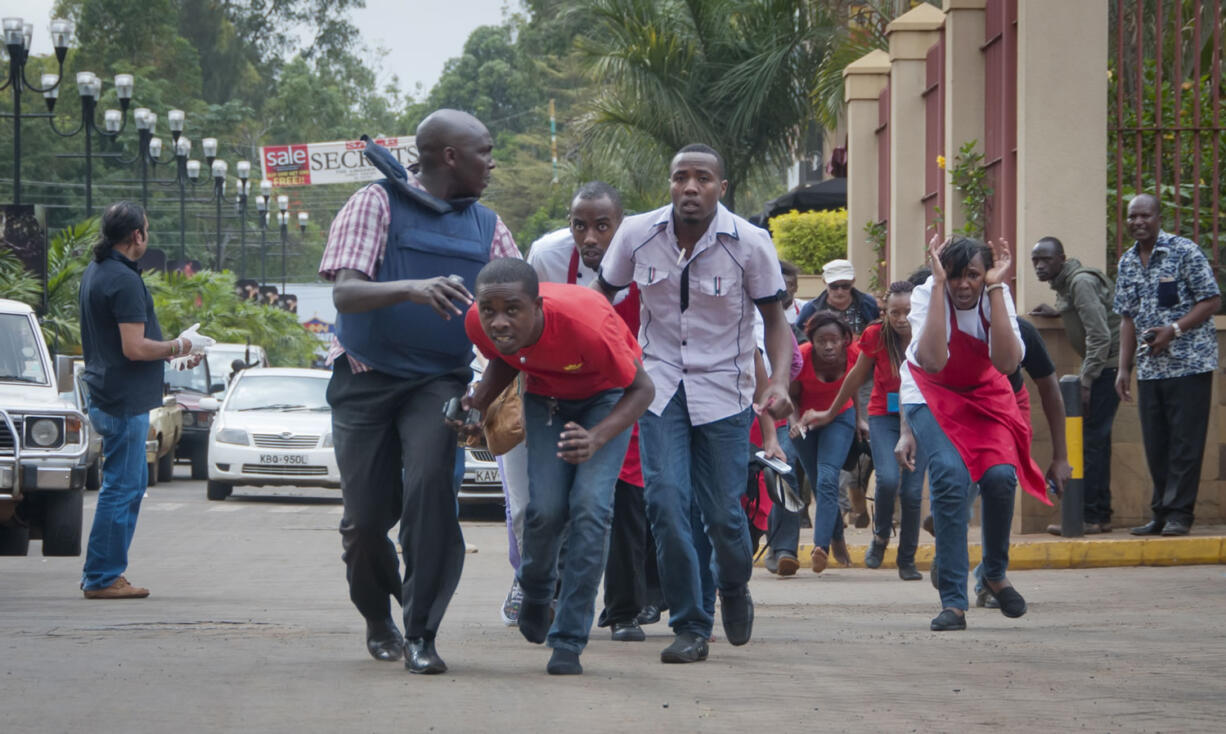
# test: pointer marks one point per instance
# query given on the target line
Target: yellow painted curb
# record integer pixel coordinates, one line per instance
(1073, 553)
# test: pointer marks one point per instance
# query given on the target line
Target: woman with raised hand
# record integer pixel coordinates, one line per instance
(828, 357)
(963, 414)
(882, 349)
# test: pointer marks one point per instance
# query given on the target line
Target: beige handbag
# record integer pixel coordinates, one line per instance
(504, 419)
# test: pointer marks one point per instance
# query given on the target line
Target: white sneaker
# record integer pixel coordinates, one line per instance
(510, 607)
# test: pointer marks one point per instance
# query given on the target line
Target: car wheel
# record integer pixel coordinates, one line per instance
(152, 476)
(62, 523)
(217, 491)
(14, 540)
(200, 463)
(93, 475)
(166, 466)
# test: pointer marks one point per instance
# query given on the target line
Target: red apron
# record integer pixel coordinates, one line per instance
(976, 407)
(628, 309)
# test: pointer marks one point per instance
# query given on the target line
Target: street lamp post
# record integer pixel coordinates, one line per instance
(261, 203)
(243, 169)
(17, 37)
(149, 149)
(220, 168)
(283, 220)
(89, 87)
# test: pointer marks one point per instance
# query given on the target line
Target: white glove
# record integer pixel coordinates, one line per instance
(179, 363)
(199, 341)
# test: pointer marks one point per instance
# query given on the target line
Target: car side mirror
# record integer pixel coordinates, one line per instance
(168, 401)
(217, 387)
(209, 404)
(63, 373)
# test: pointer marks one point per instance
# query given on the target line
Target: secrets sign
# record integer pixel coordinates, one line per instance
(335, 162)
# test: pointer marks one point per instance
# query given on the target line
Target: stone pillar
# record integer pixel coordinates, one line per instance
(911, 35)
(1061, 135)
(964, 91)
(863, 80)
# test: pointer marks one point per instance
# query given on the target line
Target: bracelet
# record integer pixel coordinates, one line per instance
(993, 287)
(174, 347)
(1178, 331)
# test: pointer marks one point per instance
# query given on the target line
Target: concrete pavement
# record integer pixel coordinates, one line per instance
(249, 628)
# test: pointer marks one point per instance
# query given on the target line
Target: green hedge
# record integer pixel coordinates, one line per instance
(810, 239)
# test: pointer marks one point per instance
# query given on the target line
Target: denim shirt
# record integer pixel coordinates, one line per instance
(1178, 277)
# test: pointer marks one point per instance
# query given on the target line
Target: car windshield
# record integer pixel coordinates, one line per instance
(20, 355)
(197, 378)
(219, 359)
(279, 392)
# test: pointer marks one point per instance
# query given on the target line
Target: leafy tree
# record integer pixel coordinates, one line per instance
(736, 75)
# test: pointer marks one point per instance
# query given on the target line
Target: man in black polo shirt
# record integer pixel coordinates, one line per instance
(123, 368)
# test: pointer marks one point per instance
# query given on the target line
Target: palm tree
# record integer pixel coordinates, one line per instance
(736, 75)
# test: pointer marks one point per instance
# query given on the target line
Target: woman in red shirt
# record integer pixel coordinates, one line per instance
(828, 356)
(883, 348)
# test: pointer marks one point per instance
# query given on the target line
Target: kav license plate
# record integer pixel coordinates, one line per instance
(486, 476)
(283, 459)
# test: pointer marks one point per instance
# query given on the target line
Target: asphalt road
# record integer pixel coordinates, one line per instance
(249, 628)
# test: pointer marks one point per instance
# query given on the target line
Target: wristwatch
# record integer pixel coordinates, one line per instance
(1178, 331)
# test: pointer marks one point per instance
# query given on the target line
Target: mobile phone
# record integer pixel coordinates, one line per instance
(454, 411)
(779, 466)
(1149, 335)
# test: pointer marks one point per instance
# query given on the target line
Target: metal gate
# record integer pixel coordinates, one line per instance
(1165, 129)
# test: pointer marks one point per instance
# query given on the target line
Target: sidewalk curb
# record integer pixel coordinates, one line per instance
(1068, 553)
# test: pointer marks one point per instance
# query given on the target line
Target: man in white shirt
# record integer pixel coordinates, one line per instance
(701, 272)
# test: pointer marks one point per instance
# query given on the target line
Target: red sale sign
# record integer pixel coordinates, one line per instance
(340, 161)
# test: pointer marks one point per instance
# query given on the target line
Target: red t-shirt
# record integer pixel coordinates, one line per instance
(585, 347)
(815, 394)
(885, 381)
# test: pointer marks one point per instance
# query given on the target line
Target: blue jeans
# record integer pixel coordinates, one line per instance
(952, 493)
(823, 451)
(783, 527)
(124, 479)
(574, 501)
(707, 467)
(894, 481)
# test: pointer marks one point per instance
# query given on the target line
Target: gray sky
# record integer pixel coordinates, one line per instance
(418, 35)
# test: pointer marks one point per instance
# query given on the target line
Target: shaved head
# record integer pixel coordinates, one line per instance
(455, 152)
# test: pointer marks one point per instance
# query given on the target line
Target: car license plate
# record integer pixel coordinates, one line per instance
(486, 476)
(283, 459)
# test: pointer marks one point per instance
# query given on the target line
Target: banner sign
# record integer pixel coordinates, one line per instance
(336, 162)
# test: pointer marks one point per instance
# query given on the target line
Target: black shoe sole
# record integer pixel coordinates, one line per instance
(676, 659)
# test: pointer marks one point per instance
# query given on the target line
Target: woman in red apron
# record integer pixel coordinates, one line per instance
(964, 416)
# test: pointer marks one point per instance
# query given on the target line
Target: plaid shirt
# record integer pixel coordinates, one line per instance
(358, 239)
(1178, 277)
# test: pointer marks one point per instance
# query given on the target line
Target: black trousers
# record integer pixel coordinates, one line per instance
(396, 459)
(1174, 416)
(1096, 447)
(631, 580)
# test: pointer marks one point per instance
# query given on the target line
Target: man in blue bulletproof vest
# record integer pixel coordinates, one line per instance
(399, 355)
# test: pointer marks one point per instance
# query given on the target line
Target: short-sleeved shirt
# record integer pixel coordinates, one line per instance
(585, 348)
(1037, 361)
(969, 322)
(113, 293)
(357, 241)
(816, 394)
(552, 257)
(885, 379)
(697, 313)
(1178, 277)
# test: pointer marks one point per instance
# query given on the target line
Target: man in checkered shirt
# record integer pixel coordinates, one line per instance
(399, 355)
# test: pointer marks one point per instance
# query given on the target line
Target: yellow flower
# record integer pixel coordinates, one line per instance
(1187, 86)
(941, 162)
(1110, 75)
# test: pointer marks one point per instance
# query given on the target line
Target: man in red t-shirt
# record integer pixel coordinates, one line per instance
(585, 387)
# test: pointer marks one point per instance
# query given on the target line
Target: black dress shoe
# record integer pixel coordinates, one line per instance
(650, 614)
(947, 621)
(736, 609)
(421, 657)
(687, 647)
(564, 662)
(908, 572)
(875, 554)
(383, 640)
(1176, 527)
(1011, 603)
(628, 632)
(534, 620)
(1153, 527)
